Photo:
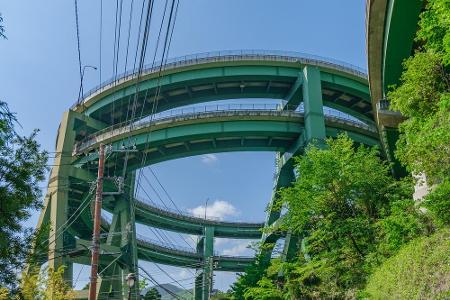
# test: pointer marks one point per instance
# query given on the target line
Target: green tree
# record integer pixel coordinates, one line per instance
(45, 285)
(353, 215)
(222, 296)
(254, 273)
(339, 201)
(265, 290)
(423, 96)
(22, 167)
(420, 270)
(152, 294)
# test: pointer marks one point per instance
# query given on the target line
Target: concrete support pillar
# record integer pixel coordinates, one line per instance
(198, 288)
(122, 234)
(208, 257)
(284, 178)
(128, 228)
(313, 105)
(56, 210)
(58, 199)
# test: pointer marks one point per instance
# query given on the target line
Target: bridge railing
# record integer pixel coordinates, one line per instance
(169, 246)
(190, 217)
(228, 55)
(197, 111)
(170, 211)
(237, 257)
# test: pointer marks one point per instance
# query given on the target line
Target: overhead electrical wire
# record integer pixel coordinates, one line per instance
(79, 51)
(167, 41)
(100, 42)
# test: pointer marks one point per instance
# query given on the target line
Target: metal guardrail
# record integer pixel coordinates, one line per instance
(184, 250)
(170, 211)
(165, 245)
(230, 257)
(178, 215)
(228, 55)
(106, 220)
(216, 110)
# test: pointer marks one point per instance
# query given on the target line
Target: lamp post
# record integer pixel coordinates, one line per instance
(131, 280)
(80, 92)
(206, 206)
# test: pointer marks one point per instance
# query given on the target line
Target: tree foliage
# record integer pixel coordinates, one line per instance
(152, 294)
(421, 270)
(352, 214)
(222, 296)
(250, 278)
(22, 167)
(423, 96)
(348, 206)
(358, 223)
(47, 284)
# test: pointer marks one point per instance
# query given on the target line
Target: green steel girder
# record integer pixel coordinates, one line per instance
(399, 31)
(155, 217)
(391, 29)
(168, 142)
(158, 254)
(152, 252)
(295, 95)
(232, 264)
(225, 81)
(287, 132)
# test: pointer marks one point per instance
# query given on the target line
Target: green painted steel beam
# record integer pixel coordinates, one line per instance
(205, 132)
(183, 137)
(295, 95)
(400, 28)
(204, 84)
(313, 105)
(155, 217)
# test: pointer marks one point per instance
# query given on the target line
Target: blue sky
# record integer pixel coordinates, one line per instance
(40, 80)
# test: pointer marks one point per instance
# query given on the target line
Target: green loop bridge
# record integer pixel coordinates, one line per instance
(167, 115)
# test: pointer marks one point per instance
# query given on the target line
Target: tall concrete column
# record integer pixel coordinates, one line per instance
(198, 288)
(208, 256)
(128, 228)
(58, 198)
(56, 201)
(313, 105)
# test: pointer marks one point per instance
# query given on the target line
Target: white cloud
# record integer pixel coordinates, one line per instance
(221, 241)
(209, 159)
(183, 274)
(217, 210)
(239, 249)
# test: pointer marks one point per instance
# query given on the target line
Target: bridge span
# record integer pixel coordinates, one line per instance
(168, 115)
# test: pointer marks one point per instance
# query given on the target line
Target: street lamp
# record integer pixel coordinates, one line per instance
(80, 93)
(206, 206)
(131, 280)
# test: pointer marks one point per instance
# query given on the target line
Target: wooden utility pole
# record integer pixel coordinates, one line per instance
(97, 220)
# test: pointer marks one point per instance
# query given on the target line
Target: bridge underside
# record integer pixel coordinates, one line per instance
(284, 129)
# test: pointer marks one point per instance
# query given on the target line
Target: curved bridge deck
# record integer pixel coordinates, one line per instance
(223, 75)
(176, 256)
(162, 218)
(217, 131)
(226, 56)
(335, 97)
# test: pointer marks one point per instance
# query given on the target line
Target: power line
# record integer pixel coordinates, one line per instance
(79, 51)
(129, 35)
(100, 42)
(152, 279)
